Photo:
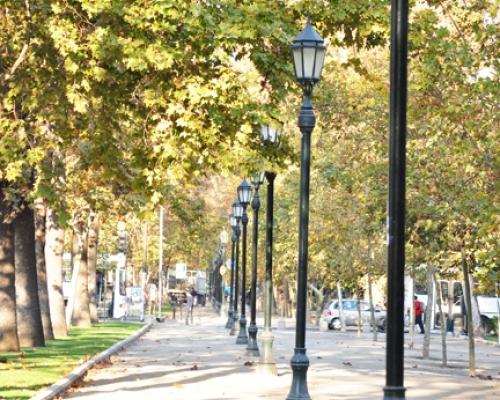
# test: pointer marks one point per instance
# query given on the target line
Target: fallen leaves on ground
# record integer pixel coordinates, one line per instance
(103, 364)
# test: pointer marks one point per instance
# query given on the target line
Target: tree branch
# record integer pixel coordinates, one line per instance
(24, 51)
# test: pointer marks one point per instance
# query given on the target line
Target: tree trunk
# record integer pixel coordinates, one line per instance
(286, 298)
(8, 326)
(341, 307)
(81, 308)
(92, 263)
(450, 306)
(468, 316)
(370, 293)
(29, 321)
(319, 302)
(129, 275)
(358, 306)
(276, 300)
(476, 316)
(75, 268)
(439, 297)
(428, 311)
(412, 309)
(54, 248)
(43, 294)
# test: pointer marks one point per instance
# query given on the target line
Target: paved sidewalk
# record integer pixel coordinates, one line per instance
(202, 362)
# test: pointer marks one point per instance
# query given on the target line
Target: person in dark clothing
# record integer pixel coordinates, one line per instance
(418, 307)
(194, 293)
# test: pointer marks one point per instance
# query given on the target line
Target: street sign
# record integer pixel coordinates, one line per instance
(180, 271)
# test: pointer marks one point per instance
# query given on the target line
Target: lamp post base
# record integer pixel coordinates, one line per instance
(300, 365)
(234, 326)
(229, 319)
(394, 392)
(252, 347)
(266, 365)
(242, 337)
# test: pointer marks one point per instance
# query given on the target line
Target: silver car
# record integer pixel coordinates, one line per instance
(331, 314)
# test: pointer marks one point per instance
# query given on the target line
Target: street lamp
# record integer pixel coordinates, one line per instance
(252, 347)
(237, 210)
(230, 313)
(270, 135)
(308, 51)
(394, 378)
(244, 194)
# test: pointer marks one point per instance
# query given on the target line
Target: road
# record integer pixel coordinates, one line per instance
(202, 362)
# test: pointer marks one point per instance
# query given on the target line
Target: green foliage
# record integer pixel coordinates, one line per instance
(119, 107)
(452, 137)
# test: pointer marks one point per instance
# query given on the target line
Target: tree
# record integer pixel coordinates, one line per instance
(81, 306)
(54, 248)
(43, 294)
(29, 322)
(8, 323)
(93, 240)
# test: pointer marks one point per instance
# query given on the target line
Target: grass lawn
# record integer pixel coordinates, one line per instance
(23, 374)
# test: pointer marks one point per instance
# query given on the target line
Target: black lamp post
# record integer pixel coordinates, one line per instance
(230, 312)
(394, 387)
(244, 194)
(308, 51)
(253, 347)
(267, 364)
(237, 214)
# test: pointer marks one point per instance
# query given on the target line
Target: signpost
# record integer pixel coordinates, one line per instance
(180, 271)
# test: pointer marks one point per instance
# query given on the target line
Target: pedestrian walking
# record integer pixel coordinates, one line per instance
(418, 307)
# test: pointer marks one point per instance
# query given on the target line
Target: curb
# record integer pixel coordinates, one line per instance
(64, 383)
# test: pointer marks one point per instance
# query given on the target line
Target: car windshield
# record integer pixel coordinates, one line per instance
(352, 305)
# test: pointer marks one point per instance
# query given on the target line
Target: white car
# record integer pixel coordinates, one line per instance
(331, 314)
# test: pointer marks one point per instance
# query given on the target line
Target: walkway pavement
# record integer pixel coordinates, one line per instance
(202, 362)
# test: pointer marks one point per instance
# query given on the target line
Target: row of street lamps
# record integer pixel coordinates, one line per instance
(270, 135)
(308, 53)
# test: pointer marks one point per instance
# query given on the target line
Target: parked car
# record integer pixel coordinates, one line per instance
(331, 314)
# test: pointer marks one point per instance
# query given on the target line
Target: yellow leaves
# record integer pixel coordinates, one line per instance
(197, 92)
(159, 57)
(14, 170)
(79, 102)
(156, 198)
(65, 36)
(163, 125)
(98, 73)
(56, 8)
